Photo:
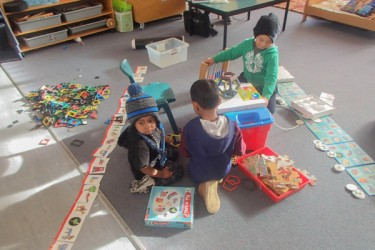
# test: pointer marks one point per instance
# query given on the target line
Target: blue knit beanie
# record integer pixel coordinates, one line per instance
(140, 104)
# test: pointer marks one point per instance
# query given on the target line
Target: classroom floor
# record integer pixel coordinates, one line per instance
(28, 183)
(324, 216)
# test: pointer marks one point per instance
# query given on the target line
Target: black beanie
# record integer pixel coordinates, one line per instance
(267, 25)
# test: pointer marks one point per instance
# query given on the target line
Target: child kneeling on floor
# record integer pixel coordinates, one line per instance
(144, 139)
(210, 140)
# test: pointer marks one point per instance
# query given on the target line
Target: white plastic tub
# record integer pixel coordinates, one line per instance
(167, 52)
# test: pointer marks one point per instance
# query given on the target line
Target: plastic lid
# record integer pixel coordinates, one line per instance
(359, 194)
(351, 187)
(339, 167)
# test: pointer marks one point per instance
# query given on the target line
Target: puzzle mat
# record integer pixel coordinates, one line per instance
(364, 176)
(348, 153)
(289, 88)
(328, 131)
(289, 98)
(71, 226)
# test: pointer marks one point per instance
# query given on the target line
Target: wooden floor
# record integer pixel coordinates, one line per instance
(39, 184)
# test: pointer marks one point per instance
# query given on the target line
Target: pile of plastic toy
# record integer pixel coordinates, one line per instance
(67, 104)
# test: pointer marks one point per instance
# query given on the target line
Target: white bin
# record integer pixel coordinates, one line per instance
(167, 52)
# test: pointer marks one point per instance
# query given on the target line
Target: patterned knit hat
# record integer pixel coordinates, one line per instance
(139, 104)
(268, 25)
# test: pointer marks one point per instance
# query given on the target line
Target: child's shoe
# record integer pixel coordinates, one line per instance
(281, 101)
(208, 190)
(143, 185)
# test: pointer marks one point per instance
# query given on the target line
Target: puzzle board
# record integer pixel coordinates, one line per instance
(238, 103)
(364, 176)
(289, 88)
(328, 131)
(350, 154)
(289, 98)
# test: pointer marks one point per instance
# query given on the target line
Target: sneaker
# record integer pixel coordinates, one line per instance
(143, 185)
(280, 101)
(208, 190)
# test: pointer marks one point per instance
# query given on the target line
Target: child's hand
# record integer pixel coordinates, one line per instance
(234, 160)
(168, 139)
(266, 100)
(165, 173)
(209, 61)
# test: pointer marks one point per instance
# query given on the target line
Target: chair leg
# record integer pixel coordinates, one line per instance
(168, 111)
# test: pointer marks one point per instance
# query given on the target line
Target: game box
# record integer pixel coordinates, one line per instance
(170, 207)
(246, 98)
(312, 107)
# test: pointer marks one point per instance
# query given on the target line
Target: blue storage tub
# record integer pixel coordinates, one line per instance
(254, 124)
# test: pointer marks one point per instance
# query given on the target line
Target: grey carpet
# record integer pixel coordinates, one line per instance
(321, 55)
(7, 54)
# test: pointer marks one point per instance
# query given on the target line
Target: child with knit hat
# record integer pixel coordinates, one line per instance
(209, 141)
(260, 58)
(144, 139)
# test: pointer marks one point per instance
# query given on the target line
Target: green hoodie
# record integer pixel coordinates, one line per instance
(261, 69)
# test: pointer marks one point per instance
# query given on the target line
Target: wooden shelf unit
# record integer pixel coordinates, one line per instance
(107, 13)
(332, 12)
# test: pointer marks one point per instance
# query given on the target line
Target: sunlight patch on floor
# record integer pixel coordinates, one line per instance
(12, 166)
(11, 199)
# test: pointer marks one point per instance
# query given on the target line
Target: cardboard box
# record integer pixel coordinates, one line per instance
(170, 207)
(312, 107)
(124, 21)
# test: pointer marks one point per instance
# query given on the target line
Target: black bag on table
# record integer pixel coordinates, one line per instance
(198, 23)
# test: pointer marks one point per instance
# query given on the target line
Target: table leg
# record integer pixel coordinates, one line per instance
(225, 31)
(171, 119)
(248, 15)
(191, 20)
(286, 14)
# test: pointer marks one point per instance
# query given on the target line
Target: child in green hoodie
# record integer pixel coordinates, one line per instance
(260, 58)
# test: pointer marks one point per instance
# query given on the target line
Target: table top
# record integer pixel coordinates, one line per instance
(236, 6)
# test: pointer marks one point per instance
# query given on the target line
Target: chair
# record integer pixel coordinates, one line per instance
(163, 95)
(214, 71)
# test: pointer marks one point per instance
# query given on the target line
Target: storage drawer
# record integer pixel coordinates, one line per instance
(82, 27)
(78, 12)
(38, 23)
(46, 37)
(40, 2)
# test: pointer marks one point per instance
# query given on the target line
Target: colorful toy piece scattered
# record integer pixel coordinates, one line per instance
(67, 104)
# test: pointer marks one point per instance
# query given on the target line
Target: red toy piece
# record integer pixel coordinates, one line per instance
(231, 183)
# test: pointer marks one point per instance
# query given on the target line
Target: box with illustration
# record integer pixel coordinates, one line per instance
(170, 207)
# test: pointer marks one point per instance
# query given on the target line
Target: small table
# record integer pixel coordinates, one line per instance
(235, 7)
